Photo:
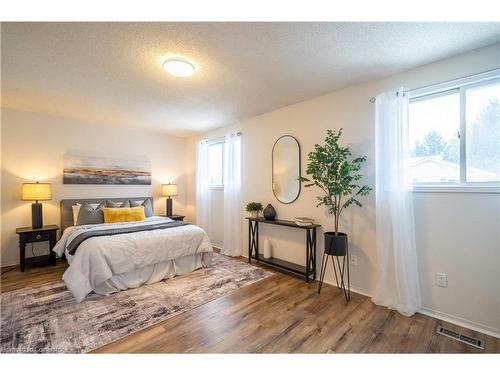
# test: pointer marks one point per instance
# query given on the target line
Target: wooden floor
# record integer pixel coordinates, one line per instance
(281, 314)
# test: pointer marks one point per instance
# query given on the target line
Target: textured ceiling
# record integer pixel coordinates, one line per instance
(110, 73)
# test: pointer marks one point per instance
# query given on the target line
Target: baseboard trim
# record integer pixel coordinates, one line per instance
(354, 288)
(465, 323)
(478, 327)
(2, 266)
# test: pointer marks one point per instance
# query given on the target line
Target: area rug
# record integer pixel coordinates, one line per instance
(47, 319)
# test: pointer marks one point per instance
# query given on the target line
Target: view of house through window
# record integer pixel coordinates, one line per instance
(436, 141)
(215, 164)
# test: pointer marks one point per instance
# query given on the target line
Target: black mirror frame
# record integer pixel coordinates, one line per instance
(272, 168)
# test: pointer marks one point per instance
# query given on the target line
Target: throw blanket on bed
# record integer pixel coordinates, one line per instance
(96, 232)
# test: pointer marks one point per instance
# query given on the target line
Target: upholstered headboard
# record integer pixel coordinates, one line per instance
(67, 211)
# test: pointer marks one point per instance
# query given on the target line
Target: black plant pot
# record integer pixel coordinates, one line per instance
(269, 212)
(336, 244)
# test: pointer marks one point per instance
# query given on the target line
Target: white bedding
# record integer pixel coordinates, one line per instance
(107, 264)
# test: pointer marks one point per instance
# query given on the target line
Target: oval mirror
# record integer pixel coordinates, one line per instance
(286, 169)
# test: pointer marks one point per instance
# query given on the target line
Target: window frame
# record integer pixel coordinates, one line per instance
(457, 86)
(210, 143)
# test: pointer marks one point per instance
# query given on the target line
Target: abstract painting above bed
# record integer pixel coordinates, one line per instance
(104, 170)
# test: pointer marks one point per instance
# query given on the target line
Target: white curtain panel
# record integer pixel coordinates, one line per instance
(232, 245)
(398, 282)
(203, 196)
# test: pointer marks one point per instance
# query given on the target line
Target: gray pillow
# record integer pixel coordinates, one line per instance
(148, 206)
(112, 204)
(90, 215)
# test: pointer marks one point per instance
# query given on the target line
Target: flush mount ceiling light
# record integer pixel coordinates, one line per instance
(178, 67)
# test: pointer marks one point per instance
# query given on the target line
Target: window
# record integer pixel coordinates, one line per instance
(482, 151)
(216, 164)
(434, 139)
(455, 133)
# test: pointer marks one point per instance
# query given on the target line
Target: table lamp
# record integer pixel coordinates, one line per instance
(169, 190)
(36, 192)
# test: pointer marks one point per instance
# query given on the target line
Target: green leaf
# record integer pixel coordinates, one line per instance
(331, 168)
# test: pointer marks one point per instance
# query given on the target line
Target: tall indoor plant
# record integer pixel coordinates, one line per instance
(331, 168)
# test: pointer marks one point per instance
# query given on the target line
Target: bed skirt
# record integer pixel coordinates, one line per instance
(153, 273)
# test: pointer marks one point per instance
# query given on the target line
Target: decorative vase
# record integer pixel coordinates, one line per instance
(335, 244)
(267, 249)
(269, 212)
(254, 214)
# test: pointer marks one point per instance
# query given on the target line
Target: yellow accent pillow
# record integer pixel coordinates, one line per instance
(116, 215)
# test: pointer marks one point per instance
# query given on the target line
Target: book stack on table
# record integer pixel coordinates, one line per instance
(304, 221)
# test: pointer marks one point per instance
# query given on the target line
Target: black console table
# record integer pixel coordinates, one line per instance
(307, 271)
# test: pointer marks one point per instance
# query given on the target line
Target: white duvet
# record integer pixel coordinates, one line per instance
(101, 259)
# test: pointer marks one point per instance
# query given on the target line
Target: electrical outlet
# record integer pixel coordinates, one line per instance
(441, 279)
(354, 260)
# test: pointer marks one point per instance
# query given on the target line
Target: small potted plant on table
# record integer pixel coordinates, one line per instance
(332, 169)
(254, 208)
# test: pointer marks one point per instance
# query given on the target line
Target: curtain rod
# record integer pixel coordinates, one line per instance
(475, 77)
(372, 99)
(238, 134)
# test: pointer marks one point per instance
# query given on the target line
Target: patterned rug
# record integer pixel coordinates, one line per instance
(47, 319)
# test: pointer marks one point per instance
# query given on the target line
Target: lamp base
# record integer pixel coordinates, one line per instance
(169, 206)
(36, 215)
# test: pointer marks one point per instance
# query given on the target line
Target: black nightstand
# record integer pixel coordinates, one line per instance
(30, 235)
(175, 217)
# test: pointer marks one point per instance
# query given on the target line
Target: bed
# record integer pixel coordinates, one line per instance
(107, 258)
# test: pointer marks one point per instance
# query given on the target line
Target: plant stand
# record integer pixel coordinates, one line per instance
(340, 270)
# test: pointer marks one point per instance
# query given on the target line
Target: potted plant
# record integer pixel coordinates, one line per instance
(332, 169)
(254, 208)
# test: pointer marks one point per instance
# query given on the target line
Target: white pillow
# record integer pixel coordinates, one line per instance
(76, 210)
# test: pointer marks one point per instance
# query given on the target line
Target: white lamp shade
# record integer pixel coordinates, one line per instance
(169, 190)
(36, 192)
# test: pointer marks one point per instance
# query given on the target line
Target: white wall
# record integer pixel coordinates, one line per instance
(457, 233)
(33, 146)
